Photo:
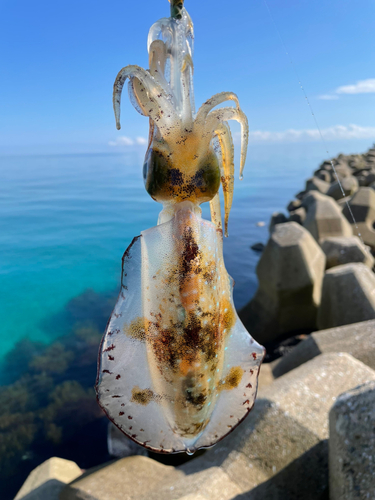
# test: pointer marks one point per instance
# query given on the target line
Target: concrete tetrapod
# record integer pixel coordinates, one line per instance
(349, 185)
(324, 217)
(290, 273)
(276, 218)
(362, 205)
(352, 445)
(48, 479)
(280, 451)
(343, 250)
(357, 339)
(348, 296)
(298, 215)
(317, 184)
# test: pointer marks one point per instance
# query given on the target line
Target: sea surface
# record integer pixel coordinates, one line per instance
(65, 222)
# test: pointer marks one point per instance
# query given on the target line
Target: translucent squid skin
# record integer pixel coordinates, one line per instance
(177, 369)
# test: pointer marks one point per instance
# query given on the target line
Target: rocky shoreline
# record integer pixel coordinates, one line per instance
(311, 433)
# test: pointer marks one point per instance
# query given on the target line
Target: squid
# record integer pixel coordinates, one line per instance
(177, 370)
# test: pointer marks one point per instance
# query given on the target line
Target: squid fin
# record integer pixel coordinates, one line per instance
(150, 383)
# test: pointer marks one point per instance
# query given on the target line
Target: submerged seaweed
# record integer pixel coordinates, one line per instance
(48, 402)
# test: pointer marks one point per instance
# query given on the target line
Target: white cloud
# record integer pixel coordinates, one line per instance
(361, 87)
(292, 135)
(141, 140)
(332, 133)
(128, 141)
(328, 97)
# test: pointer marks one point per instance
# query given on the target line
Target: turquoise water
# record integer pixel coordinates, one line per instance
(65, 222)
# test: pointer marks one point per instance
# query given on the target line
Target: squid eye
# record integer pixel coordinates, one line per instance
(156, 174)
(145, 168)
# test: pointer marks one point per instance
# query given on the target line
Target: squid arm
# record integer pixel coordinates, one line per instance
(213, 102)
(215, 210)
(187, 70)
(225, 114)
(177, 35)
(159, 107)
(224, 137)
(161, 27)
(157, 57)
(137, 91)
(157, 60)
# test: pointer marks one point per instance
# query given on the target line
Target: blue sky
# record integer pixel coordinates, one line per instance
(59, 61)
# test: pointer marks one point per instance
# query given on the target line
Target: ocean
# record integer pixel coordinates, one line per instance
(65, 222)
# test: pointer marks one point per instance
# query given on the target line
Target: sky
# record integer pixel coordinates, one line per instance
(59, 61)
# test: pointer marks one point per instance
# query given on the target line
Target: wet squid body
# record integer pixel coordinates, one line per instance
(178, 370)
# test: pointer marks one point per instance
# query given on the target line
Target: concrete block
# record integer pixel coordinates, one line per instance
(121, 446)
(362, 206)
(362, 182)
(357, 162)
(290, 273)
(265, 375)
(298, 215)
(293, 205)
(324, 217)
(277, 218)
(352, 445)
(357, 339)
(316, 184)
(370, 177)
(342, 201)
(341, 170)
(129, 478)
(349, 185)
(211, 483)
(322, 174)
(281, 449)
(343, 250)
(48, 479)
(348, 296)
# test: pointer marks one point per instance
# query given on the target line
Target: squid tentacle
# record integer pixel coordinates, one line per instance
(148, 107)
(177, 34)
(224, 137)
(159, 100)
(157, 59)
(161, 27)
(190, 50)
(214, 101)
(136, 90)
(180, 52)
(187, 70)
(215, 210)
(225, 114)
(157, 56)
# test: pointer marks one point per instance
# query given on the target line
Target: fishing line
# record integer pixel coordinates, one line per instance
(315, 120)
